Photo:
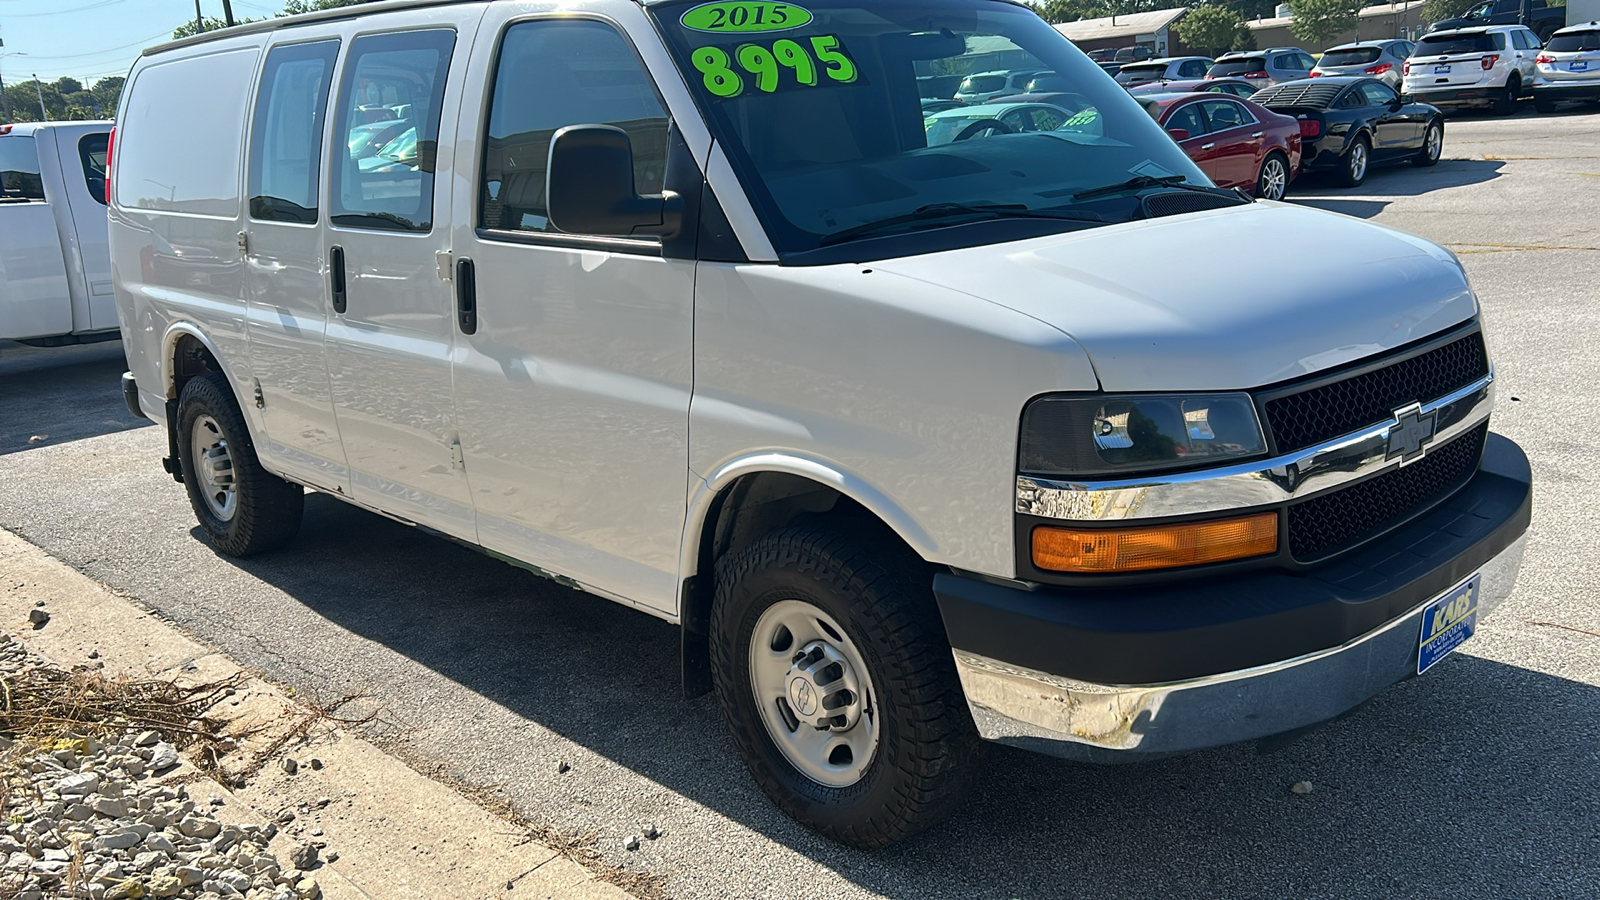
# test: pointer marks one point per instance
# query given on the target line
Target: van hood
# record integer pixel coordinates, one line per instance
(1220, 300)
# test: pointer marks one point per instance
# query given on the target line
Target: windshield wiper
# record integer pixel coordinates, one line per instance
(948, 210)
(1140, 182)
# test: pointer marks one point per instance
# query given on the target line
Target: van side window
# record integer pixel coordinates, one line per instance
(19, 170)
(396, 81)
(286, 139)
(92, 153)
(553, 74)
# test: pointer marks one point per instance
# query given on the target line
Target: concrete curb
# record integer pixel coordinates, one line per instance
(397, 833)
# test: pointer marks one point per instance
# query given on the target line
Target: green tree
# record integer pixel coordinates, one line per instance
(1320, 21)
(296, 7)
(1057, 11)
(1210, 28)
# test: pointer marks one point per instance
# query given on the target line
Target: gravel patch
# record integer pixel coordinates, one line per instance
(106, 814)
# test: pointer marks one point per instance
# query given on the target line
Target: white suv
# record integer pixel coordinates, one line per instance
(1569, 67)
(1489, 66)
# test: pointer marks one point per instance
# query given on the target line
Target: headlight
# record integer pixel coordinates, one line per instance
(1113, 435)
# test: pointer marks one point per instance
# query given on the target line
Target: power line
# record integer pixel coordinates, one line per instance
(62, 12)
(165, 33)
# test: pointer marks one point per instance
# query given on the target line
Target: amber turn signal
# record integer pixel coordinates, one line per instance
(1106, 550)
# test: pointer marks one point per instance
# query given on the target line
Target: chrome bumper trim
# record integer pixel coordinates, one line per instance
(1121, 723)
(1292, 476)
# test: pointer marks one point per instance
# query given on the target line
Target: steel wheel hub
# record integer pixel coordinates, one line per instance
(1435, 140)
(814, 694)
(213, 468)
(1358, 160)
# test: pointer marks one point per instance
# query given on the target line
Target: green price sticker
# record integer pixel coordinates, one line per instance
(771, 67)
(745, 16)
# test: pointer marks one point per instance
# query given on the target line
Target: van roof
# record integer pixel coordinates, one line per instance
(22, 129)
(342, 12)
(321, 15)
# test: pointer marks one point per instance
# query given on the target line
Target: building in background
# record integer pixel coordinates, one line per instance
(1144, 29)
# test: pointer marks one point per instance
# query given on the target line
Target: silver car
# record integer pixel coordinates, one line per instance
(1568, 67)
(1273, 65)
(1171, 68)
(1384, 60)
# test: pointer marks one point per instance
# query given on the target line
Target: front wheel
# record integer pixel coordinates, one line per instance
(242, 508)
(1432, 145)
(1272, 182)
(837, 682)
(1356, 162)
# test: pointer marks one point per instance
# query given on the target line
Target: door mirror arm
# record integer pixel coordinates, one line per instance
(589, 187)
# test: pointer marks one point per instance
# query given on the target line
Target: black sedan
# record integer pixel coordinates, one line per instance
(1348, 124)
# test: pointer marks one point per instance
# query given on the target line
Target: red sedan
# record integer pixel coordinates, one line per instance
(1236, 142)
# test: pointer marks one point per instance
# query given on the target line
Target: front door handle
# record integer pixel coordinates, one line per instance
(336, 277)
(1255, 134)
(1207, 146)
(467, 296)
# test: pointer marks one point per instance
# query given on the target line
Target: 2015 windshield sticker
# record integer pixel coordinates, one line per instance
(783, 64)
(745, 16)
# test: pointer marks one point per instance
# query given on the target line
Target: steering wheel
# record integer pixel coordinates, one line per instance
(982, 125)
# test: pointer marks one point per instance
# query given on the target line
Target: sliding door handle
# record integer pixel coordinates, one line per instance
(466, 296)
(336, 277)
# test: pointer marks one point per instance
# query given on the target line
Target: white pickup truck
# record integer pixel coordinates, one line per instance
(55, 267)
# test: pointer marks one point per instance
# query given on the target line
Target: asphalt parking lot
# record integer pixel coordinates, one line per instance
(1481, 779)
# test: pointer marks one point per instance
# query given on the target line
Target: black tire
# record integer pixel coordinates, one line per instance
(1266, 178)
(1356, 163)
(880, 595)
(1544, 105)
(1432, 144)
(1506, 103)
(266, 510)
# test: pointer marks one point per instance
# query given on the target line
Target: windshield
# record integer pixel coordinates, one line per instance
(1145, 70)
(1573, 42)
(1441, 45)
(1354, 56)
(1237, 66)
(979, 84)
(822, 121)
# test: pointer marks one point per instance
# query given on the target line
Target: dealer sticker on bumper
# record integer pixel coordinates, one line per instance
(1447, 622)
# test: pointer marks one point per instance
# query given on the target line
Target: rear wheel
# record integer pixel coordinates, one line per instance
(837, 682)
(1356, 162)
(242, 508)
(1432, 145)
(1272, 182)
(1506, 103)
(1544, 105)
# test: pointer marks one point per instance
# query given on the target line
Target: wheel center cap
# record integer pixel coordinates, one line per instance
(802, 696)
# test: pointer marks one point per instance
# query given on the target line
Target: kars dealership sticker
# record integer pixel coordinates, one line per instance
(745, 17)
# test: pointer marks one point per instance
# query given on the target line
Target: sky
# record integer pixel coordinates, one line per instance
(89, 39)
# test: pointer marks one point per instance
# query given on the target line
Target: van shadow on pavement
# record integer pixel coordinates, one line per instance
(44, 388)
(1401, 180)
(1481, 779)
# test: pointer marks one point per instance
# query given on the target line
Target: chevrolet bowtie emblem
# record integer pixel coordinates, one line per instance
(1410, 434)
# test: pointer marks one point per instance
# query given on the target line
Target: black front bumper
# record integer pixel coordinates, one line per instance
(1177, 630)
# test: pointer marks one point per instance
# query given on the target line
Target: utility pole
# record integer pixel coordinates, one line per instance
(199, 20)
(39, 88)
(227, 12)
(5, 99)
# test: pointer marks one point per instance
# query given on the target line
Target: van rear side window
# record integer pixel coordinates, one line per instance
(555, 74)
(19, 170)
(180, 147)
(394, 79)
(286, 140)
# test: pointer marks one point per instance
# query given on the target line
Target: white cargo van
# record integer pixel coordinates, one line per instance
(55, 268)
(994, 439)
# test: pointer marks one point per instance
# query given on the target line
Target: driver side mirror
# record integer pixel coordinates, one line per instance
(1396, 104)
(589, 187)
(1179, 134)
